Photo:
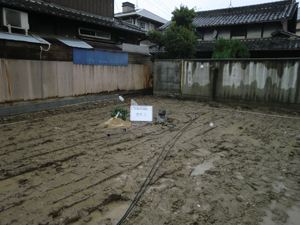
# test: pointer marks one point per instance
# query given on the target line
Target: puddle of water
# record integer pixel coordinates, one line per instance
(8, 185)
(255, 142)
(237, 128)
(115, 212)
(201, 152)
(267, 220)
(294, 215)
(206, 165)
(275, 143)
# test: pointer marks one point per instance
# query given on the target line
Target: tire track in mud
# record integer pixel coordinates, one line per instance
(116, 144)
(76, 192)
(31, 168)
(32, 139)
(30, 123)
(94, 185)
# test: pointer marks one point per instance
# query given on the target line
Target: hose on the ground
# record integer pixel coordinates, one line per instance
(153, 172)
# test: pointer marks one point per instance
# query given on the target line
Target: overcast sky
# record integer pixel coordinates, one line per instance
(163, 8)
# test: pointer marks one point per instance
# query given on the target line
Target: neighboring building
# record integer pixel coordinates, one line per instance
(268, 30)
(88, 24)
(140, 17)
(298, 23)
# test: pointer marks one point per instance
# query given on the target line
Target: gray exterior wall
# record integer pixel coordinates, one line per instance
(267, 81)
(167, 77)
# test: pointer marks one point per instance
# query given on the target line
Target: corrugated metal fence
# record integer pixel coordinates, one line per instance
(21, 79)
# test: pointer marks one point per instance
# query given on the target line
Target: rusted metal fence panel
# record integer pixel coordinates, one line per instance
(21, 79)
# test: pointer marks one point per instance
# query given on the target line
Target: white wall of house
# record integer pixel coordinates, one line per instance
(254, 31)
(269, 28)
(224, 32)
(208, 32)
(146, 25)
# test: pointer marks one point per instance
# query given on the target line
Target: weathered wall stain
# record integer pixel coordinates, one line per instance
(256, 80)
(8, 79)
(167, 77)
(273, 81)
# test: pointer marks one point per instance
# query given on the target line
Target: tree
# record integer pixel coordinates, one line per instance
(230, 49)
(179, 40)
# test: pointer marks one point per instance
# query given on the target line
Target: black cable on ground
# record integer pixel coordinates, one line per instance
(150, 175)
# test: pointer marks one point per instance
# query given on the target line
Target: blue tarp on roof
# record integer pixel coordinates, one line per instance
(99, 57)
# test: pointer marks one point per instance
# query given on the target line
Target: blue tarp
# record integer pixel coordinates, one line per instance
(99, 57)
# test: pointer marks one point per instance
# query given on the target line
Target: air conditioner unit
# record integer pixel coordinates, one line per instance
(15, 19)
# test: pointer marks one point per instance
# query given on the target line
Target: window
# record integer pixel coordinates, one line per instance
(143, 25)
(238, 31)
(94, 33)
(129, 20)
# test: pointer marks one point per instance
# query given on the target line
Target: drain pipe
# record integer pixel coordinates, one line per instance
(41, 66)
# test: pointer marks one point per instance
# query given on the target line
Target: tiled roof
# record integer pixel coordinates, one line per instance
(65, 12)
(274, 11)
(257, 44)
(144, 13)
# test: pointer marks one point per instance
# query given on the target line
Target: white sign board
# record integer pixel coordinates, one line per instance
(141, 113)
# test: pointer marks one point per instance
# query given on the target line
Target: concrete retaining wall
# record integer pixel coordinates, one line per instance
(270, 80)
(20, 80)
(167, 77)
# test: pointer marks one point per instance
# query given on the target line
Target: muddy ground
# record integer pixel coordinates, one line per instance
(230, 165)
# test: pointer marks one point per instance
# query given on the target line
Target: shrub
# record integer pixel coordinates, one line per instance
(230, 49)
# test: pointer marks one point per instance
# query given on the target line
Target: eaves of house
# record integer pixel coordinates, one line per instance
(268, 12)
(68, 13)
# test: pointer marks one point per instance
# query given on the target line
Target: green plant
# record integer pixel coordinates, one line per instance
(179, 40)
(230, 49)
(122, 112)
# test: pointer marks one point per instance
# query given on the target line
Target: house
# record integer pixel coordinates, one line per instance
(68, 48)
(63, 25)
(140, 17)
(268, 30)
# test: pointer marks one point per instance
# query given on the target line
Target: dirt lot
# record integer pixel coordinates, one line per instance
(225, 165)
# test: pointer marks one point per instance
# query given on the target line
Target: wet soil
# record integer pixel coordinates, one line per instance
(233, 164)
